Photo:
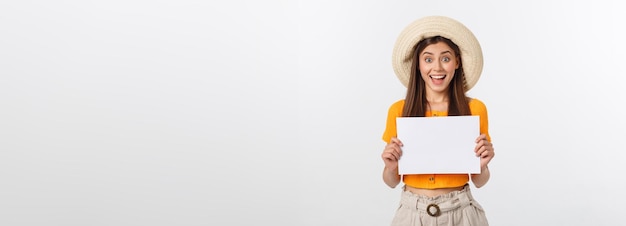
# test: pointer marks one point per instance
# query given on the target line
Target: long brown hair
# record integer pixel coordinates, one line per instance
(416, 104)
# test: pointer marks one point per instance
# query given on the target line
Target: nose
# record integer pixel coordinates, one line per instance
(438, 65)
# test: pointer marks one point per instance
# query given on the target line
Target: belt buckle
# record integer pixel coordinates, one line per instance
(437, 210)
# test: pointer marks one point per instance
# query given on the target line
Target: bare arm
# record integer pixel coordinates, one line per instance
(391, 177)
(484, 150)
(390, 156)
(481, 179)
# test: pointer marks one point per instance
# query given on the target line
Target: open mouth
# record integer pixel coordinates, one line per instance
(437, 80)
(438, 77)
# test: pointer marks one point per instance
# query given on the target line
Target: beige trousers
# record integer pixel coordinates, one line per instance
(457, 208)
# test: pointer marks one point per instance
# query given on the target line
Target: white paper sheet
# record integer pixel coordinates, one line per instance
(438, 145)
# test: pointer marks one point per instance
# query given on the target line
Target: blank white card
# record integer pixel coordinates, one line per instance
(438, 145)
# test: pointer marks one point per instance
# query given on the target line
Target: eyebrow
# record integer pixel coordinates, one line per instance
(447, 51)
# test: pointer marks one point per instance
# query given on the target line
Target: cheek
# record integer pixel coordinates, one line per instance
(424, 70)
(451, 67)
(424, 73)
(421, 69)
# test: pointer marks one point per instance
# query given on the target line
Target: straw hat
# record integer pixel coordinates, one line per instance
(471, 53)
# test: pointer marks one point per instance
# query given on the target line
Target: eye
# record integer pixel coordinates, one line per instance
(446, 59)
(428, 60)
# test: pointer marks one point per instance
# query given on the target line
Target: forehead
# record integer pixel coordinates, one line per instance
(437, 48)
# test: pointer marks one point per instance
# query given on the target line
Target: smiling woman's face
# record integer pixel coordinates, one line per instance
(437, 64)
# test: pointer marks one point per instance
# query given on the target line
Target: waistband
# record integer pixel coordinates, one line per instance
(434, 206)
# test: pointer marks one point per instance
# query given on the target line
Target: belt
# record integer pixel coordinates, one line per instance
(435, 206)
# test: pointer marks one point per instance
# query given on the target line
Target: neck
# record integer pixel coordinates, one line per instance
(437, 99)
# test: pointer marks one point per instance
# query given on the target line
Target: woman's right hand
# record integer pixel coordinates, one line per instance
(392, 153)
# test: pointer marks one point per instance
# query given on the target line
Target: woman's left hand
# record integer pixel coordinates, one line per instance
(484, 150)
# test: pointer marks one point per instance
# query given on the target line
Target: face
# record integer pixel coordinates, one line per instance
(437, 64)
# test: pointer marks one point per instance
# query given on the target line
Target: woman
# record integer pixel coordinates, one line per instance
(438, 59)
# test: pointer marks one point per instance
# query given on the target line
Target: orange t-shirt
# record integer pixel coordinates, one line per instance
(432, 181)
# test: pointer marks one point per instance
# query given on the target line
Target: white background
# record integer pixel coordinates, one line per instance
(185, 112)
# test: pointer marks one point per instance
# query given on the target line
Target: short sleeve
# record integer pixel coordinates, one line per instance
(478, 108)
(395, 110)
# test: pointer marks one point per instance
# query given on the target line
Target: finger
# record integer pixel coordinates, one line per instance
(396, 141)
(481, 151)
(388, 156)
(483, 143)
(390, 153)
(481, 137)
(481, 154)
(395, 147)
(397, 152)
(390, 147)
(396, 156)
(487, 153)
(479, 146)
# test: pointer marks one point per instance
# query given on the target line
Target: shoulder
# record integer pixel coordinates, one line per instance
(477, 106)
(399, 103)
(397, 106)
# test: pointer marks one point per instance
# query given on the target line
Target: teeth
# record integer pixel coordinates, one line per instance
(437, 76)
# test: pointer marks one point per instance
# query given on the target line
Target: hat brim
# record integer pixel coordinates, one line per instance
(430, 26)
